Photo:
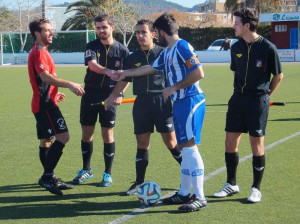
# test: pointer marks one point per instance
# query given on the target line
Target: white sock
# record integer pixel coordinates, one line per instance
(185, 182)
(196, 169)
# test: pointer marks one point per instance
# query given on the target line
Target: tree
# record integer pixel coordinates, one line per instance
(7, 20)
(24, 11)
(124, 15)
(261, 6)
(86, 11)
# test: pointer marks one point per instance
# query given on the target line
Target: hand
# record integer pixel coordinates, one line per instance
(112, 100)
(111, 73)
(76, 88)
(60, 97)
(120, 75)
(168, 91)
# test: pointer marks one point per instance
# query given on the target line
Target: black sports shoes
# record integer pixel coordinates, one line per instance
(176, 199)
(55, 185)
(63, 185)
(193, 205)
(50, 185)
(133, 189)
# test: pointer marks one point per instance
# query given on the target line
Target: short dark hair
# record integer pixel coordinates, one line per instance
(167, 23)
(146, 22)
(36, 26)
(104, 17)
(248, 15)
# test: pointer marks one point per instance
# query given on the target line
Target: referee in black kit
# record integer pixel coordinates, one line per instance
(150, 108)
(253, 60)
(103, 56)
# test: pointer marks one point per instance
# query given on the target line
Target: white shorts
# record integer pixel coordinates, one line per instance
(188, 115)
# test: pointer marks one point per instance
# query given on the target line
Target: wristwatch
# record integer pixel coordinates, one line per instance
(121, 94)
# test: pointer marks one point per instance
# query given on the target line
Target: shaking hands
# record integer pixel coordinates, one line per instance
(116, 75)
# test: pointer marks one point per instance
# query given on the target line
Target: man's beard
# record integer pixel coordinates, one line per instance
(162, 41)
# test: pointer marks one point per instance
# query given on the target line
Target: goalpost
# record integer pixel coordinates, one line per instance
(16, 45)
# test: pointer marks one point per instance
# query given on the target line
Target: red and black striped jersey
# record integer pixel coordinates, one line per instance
(44, 95)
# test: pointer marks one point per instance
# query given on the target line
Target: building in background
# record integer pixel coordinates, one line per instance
(285, 28)
(212, 6)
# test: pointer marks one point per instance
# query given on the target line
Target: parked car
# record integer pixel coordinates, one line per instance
(216, 45)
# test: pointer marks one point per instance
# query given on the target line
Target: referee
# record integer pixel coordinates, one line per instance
(102, 56)
(150, 108)
(253, 60)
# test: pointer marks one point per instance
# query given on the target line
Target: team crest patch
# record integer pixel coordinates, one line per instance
(191, 62)
(239, 55)
(88, 53)
(42, 66)
(138, 64)
(258, 63)
(117, 64)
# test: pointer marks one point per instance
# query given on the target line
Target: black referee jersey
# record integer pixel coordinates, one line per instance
(109, 56)
(150, 83)
(253, 64)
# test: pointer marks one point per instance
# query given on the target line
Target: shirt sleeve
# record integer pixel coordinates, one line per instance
(188, 55)
(40, 62)
(159, 63)
(232, 63)
(128, 64)
(274, 61)
(90, 54)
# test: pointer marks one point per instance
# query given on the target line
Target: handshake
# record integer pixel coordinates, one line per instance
(116, 75)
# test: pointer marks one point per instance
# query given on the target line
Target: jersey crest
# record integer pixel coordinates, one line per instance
(258, 63)
(138, 64)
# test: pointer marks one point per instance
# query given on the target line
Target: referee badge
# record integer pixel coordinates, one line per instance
(258, 63)
(88, 53)
(117, 64)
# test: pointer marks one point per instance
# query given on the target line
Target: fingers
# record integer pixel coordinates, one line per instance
(60, 97)
(77, 89)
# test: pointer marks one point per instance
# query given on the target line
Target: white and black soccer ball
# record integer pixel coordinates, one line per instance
(149, 193)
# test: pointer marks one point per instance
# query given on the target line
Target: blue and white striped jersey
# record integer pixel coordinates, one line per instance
(178, 62)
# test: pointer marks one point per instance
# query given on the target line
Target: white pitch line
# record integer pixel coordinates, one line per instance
(214, 173)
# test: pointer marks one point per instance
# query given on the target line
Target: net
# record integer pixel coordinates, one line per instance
(14, 46)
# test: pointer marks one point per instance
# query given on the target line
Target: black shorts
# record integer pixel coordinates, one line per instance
(49, 123)
(152, 109)
(90, 108)
(248, 114)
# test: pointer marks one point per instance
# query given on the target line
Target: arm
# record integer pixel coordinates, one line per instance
(275, 82)
(189, 80)
(95, 67)
(55, 81)
(140, 71)
(115, 97)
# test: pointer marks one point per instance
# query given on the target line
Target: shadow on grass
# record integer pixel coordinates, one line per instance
(287, 119)
(216, 105)
(67, 205)
(50, 206)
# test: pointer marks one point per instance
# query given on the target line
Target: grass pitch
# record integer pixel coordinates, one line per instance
(23, 201)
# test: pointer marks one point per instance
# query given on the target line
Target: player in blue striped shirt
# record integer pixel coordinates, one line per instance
(183, 71)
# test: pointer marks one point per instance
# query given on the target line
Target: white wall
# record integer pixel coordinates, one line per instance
(204, 56)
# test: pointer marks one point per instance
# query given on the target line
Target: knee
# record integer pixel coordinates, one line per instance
(63, 138)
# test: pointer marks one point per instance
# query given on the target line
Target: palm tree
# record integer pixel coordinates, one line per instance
(86, 11)
(261, 6)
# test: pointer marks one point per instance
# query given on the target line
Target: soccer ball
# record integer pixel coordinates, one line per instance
(149, 193)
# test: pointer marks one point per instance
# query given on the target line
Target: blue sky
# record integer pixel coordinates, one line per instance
(186, 3)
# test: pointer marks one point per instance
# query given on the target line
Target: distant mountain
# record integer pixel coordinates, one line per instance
(155, 5)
